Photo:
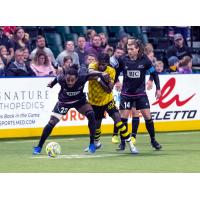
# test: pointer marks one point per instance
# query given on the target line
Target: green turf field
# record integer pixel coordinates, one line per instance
(181, 153)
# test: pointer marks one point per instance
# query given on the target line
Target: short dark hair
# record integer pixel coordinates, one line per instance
(120, 48)
(66, 58)
(103, 57)
(39, 37)
(72, 71)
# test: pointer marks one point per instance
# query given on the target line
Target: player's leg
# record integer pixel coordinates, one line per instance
(114, 114)
(58, 111)
(124, 118)
(143, 105)
(45, 134)
(135, 124)
(115, 139)
(125, 108)
(98, 134)
(99, 115)
(87, 110)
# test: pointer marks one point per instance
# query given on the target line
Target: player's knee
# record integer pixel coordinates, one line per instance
(90, 115)
(53, 121)
(149, 121)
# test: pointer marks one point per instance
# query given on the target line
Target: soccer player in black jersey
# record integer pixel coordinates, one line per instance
(133, 94)
(71, 95)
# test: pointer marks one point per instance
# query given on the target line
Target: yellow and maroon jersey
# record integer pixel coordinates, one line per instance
(97, 95)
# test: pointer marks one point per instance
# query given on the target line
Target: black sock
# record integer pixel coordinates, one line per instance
(150, 128)
(135, 124)
(91, 124)
(45, 134)
(115, 130)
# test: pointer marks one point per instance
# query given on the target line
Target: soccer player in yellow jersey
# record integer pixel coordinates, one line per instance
(101, 98)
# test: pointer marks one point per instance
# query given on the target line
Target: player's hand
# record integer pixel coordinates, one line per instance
(149, 85)
(158, 94)
(49, 84)
(118, 86)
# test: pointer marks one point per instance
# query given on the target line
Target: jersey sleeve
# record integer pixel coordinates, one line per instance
(149, 65)
(119, 69)
(84, 78)
(93, 66)
(112, 74)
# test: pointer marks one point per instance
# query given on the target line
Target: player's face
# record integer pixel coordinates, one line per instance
(70, 80)
(132, 51)
(102, 66)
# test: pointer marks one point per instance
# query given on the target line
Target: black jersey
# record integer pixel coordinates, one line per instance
(67, 94)
(134, 72)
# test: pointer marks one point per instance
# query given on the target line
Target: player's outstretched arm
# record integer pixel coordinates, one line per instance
(52, 83)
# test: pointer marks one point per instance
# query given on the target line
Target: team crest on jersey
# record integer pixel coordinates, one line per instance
(140, 66)
(126, 67)
(133, 73)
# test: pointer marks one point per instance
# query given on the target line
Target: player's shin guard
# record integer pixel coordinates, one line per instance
(126, 137)
(91, 124)
(150, 128)
(45, 134)
(135, 124)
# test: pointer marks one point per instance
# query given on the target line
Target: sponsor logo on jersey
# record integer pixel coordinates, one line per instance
(133, 73)
(72, 93)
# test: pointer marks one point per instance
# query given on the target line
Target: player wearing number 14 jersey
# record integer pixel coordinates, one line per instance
(133, 94)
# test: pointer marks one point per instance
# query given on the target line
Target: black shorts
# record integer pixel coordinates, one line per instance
(138, 102)
(99, 111)
(63, 108)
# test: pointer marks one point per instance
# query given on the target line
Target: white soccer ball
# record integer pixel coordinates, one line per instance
(53, 149)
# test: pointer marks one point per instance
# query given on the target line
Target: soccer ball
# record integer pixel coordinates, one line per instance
(53, 149)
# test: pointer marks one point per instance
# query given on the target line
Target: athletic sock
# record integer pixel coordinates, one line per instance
(150, 128)
(45, 134)
(135, 124)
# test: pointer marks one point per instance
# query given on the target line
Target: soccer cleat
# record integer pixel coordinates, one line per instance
(115, 139)
(97, 145)
(37, 150)
(92, 148)
(155, 145)
(133, 139)
(132, 148)
(121, 146)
